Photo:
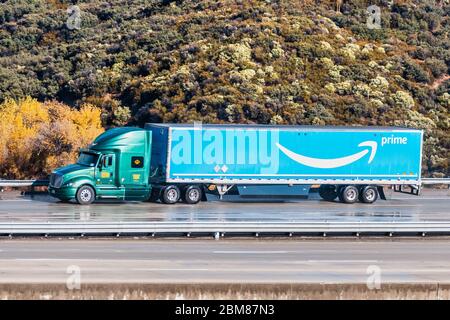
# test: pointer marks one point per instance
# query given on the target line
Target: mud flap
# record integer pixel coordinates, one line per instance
(381, 192)
(155, 194)
(204, 191)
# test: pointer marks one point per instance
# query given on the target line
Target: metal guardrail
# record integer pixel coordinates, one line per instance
(23, 183)
(428, 181)
(223, 228)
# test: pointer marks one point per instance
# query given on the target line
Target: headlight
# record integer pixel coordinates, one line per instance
(68, 184)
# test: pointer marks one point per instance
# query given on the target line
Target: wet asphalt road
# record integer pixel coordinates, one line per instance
(432, 205)
(225, 261)
(252, 260)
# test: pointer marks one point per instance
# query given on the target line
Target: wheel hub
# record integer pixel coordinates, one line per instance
(351, 194)
(172, 195)
(193, 194)
(85, 195)
(370, 195)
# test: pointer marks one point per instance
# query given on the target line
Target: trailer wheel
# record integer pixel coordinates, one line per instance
(192, 194)
(170, 194)
(85, 195)
(328, 192)
(348, 194)
(369, 194)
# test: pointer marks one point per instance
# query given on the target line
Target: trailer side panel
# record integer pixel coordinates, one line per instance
(277, 155)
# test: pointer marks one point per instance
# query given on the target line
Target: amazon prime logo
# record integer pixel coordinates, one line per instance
(394, 140)
(335, 162)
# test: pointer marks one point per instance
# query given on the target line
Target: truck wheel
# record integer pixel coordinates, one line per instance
(369, 194)
(328, 192)
(192, 194)
(85, 195)
(170, 194)
(348, 194)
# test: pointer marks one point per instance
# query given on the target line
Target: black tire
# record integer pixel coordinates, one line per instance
(328, 192)
(85, 195)
(192, 194)
(348, 194)
(170, 194)
(369, 194)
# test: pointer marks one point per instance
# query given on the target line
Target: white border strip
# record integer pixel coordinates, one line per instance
(387, 131)
(169, 152)
(289, 175)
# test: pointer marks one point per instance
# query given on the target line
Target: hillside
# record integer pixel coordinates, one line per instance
(242, 61)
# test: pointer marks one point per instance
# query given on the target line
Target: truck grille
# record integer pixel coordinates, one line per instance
(55, 180)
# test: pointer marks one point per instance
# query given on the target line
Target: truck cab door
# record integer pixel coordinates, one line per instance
(106, 180)
(106, 170)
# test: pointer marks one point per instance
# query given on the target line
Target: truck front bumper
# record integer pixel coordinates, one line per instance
(64, 193)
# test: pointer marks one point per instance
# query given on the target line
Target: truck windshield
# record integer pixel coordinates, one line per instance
(87, 159)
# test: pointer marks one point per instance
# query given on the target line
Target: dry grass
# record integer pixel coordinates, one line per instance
(225, 291)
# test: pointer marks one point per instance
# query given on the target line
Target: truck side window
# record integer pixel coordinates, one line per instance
(107, 161)
(137, 162)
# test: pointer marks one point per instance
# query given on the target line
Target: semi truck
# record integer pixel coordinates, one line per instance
(185, 162)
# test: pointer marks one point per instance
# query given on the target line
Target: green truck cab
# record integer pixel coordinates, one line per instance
(115, 166)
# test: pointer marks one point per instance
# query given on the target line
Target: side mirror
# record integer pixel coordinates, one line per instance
(105, 161)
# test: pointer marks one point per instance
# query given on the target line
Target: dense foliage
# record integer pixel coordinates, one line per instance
(243, 61)
(37, 137)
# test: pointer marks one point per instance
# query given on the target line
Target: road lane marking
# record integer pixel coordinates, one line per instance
(251, 252)
(56, 259)
(443, 198)
(168, 269)
(342, 261)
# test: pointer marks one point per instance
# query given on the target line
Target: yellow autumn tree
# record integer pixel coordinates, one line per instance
(37, 137)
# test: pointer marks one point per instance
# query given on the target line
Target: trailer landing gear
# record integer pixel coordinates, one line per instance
(222, 189)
